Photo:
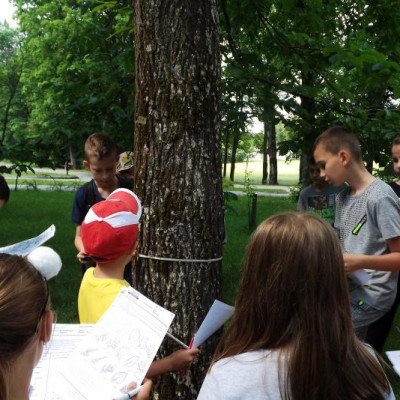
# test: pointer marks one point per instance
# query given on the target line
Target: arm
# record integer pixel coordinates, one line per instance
(78, 244)
(178, 360)
(384, 262)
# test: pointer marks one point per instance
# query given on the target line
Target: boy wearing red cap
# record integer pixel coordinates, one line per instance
(109, 233)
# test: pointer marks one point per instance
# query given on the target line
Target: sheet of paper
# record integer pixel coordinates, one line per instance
(64, 340)
(118, 350)
(361, 276)
(217, 315)
(394, 357)
(25, 247)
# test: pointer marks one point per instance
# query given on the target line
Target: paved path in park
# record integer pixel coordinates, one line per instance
(86, 176)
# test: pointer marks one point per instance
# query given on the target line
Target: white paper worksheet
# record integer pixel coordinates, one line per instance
(118, 350)
(25, 247)
(64, 339)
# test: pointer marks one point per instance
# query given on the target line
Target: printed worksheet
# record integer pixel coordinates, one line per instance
(64, 340)
(118, 350)
(27, 246)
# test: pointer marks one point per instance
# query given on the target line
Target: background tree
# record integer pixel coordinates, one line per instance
(178, 168)
(80, 75)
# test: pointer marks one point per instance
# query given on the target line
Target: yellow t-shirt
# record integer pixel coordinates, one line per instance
(96, 295)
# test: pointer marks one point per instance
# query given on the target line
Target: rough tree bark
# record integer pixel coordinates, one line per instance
(178, 169)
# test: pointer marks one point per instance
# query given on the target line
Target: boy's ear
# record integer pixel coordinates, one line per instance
(86, 164)
(345, 156)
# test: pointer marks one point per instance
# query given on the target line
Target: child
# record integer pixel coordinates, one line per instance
(4, 191)
(368, 223)
(125, 165)
(379, 330)
(109, 234)
(291, 335)
(319, 197)
(26, 324)
(101, 160)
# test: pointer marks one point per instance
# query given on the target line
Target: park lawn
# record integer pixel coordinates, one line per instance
(29, 212)
(288, 172)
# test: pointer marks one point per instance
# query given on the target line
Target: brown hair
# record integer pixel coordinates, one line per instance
(336, 138)
(396, 140)
(100, 146)
(23, 300)
(293, 298)
(4, 189)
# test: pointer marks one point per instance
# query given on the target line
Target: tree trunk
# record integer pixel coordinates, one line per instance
(235, 145)
(72, 156)
(264, 180)
(178, 170)
(273, 162)
(304, 164)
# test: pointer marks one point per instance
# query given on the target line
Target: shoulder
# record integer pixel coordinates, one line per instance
(256, 370)
(306, 191)
(245, 361)
(381, 193)
(81, 191)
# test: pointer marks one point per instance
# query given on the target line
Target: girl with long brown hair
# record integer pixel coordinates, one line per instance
(25, 324)
(291, 336)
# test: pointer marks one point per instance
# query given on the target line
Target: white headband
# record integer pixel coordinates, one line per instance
(116, 220)
(44, 259)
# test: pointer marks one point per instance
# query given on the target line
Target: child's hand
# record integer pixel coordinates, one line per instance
(182, 359)
(82, 257)
(144, 394)
(353, 262)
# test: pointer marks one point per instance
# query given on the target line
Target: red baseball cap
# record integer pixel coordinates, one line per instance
(110, 228)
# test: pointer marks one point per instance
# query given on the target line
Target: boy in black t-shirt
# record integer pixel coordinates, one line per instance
(101, 157)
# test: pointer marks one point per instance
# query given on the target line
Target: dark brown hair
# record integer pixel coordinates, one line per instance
(100, 146)
(23, 300)
(336, 138)
(396, 140)
(293, 298)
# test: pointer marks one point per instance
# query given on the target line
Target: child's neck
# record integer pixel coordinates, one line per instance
(359, 179)
(320, 186)
(107, 190)
(114, 270)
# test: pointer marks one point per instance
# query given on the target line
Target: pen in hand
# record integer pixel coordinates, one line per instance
(130, 394)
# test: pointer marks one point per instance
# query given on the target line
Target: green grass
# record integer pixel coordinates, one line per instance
(239, 189)
(48, 182)
(238, 236)
(288, 173)
(28, 213)
(45, 175)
